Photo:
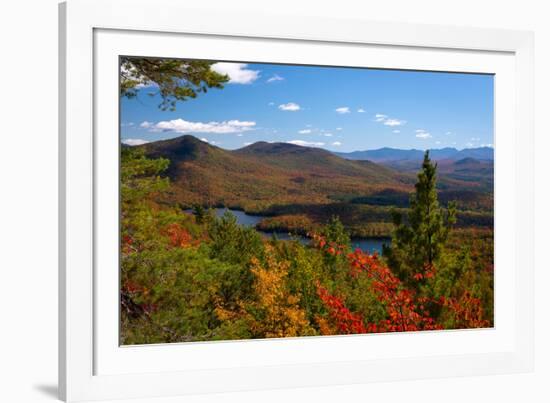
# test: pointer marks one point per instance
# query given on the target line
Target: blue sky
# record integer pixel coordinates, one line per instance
(339, 109)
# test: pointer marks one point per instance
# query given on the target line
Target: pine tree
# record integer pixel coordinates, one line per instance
(417, 240)
(173, 79)
(334, 231)
(200, 213)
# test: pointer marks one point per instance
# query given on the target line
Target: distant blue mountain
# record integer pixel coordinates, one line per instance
(387, 154)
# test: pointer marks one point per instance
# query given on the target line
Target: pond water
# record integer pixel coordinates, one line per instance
(369, 245)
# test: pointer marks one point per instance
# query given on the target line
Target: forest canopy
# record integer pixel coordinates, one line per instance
(197, 276)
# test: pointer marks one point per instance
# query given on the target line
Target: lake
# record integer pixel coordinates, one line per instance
(368, 245)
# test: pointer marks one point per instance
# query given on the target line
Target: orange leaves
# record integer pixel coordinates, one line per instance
(467, 310)
(325, 327)
(179, 236)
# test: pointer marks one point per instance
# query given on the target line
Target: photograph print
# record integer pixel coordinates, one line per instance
(264, 200)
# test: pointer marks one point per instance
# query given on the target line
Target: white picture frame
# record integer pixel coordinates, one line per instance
(91, 364)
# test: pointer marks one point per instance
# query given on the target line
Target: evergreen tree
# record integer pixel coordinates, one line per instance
(418, 239)
(334, 231)
(173, 79)
(200, 213)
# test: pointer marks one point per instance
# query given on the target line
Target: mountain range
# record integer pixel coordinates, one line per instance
(262, 175)
(387, 154)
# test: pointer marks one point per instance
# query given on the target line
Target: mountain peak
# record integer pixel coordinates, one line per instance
(265, 148)
(183, 147)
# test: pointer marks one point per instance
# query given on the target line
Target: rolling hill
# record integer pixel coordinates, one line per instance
(262, 174)
(296, 185)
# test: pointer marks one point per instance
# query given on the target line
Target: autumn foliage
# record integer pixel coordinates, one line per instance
(274, 312)
(404, 312)
(200, 277)
(179, 236)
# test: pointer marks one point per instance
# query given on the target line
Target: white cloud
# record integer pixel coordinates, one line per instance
(290, 107)
(237, 72)
(247, 143)
(438, 142)
(396, 131)
(133, 74)
(337, 144)
(239, 135)
(394, 122)
(209, 141)
(271, 103)
(148, 84)
(360, 110)
(469, 145)
(184, 126)
(423, 134)
(385, 120)
(306, 143)
(134, 142)
(339, 128)
(274, 78)
(342, 110)
(486, 145)
(127, 124)
(475, 139)
(327, 134)
(304, 131)
(145, 124)
(448, 133)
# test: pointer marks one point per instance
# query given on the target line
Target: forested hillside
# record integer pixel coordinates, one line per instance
(300, 188)
(196, 277)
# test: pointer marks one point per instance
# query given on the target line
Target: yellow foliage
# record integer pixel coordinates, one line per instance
(274, 312)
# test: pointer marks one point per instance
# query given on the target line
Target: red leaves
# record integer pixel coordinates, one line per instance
(132, 291)
(346, 321)
(332, 248)
(127, 244)
(131, 287)
(405, 312)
